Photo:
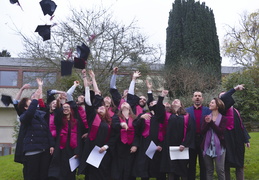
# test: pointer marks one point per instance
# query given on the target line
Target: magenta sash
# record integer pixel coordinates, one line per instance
(230, 117)
(82, 114)
(127, 136)
(139, 110)
(94, 127)
(73, 136)
(146, 131)
(52, 126)
(186, 120)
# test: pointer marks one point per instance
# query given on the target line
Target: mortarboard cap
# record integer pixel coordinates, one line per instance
(44, 31)
(14, 1)
(83, 51)
(66, 68)
(7, 100)
(48, 7)
(79, 63)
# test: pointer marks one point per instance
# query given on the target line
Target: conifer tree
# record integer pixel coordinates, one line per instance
(192, 38)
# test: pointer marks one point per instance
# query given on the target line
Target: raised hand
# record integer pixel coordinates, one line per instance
(115, 70)
(164, 93)
(136, 74)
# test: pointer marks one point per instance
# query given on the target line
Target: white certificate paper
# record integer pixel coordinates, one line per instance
(175, 153)
(151, 150)
(74, 163)
(95, 157)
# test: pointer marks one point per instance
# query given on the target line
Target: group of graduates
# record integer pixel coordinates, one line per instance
(54, 131)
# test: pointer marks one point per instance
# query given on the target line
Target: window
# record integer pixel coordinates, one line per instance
(8, 78)
(30, 78)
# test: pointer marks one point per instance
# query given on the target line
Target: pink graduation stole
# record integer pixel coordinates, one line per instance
(230, 117)
(127, 136)
(139, 110)
(94, 127)
(82, 114)
(146, 131)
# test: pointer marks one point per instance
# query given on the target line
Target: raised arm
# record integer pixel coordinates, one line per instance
(87, 88)
(149, 92)
(71, 91)
(95, 86)
(19, 94)
(113, 78)
(136, 74)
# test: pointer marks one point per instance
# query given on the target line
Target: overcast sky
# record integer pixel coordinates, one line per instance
(152, 17)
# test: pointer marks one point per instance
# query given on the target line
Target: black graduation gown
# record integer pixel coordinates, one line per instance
(103, 133)
(122, 159)
(235, 138)
(59, 166)
(144, 166)
(174, 137)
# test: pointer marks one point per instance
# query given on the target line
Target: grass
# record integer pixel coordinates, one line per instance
(13, 171)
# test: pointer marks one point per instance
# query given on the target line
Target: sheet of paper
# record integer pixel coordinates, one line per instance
(74, 163)
(176, 154)
(95, 157)
(151, 150)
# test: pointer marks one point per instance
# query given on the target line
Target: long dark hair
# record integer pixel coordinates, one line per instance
(22, 104)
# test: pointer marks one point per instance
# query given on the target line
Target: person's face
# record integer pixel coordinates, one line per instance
(125, 105)
(213, 105)
(80, 99)
(176, 103)
(101, 110)
(167, 106)
(27, 104)
(197, 98)
(66, 109)
(142, 101)
(107, 100)
(53, 105)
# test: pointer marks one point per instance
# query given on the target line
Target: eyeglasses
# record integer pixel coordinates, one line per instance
(66, 107)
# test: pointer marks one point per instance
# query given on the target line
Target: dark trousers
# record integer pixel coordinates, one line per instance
(239, 173)
(193, 154)
(38, 166)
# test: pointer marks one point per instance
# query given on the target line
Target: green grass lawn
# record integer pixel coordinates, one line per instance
(13, 171)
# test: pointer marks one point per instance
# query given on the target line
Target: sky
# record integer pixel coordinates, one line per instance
(151, 15)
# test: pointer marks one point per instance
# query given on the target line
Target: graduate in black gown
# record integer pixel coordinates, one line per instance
(151, 125)
(99, 121)
(178, 132)
(236, 135)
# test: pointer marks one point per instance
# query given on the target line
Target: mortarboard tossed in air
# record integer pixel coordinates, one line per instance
(48, 7)
(44, 31)
(7, 100)
(83, 51)
(79, 63)
(66, 67)
(16, 1)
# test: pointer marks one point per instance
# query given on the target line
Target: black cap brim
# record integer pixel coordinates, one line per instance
(83, 51)
(79, 63)
(7, 100)
(44, 31)
(66, 68)
(48, 7)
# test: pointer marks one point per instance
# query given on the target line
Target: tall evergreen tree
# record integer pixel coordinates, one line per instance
(192, 38)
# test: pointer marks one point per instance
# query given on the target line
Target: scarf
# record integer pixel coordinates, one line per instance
(216, 139)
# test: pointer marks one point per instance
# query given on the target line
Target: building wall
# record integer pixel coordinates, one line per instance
(7, 123)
